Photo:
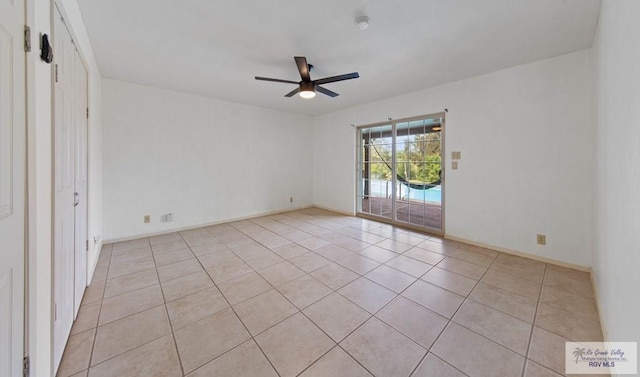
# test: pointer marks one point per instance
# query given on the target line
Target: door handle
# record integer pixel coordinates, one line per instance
(76, 199)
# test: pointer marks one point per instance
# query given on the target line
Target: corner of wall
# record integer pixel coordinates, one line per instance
(615, 57)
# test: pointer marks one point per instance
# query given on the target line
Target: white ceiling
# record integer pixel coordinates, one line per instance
(216, 47)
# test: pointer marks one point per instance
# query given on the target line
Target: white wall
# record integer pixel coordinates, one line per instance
(201, 159)
(616, 54)
(525, 134)
(39, 149)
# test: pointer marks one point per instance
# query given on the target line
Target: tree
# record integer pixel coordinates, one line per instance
(418, 159)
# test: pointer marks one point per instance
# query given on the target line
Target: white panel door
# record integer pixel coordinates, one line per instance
(64, 188)
(12, 186)
(80, 142)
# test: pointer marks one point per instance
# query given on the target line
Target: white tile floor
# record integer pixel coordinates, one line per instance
(314, 293)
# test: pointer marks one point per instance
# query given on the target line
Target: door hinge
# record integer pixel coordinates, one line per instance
(27, 38)
(87, 245)
(87, 113)
(56, 72)
(26, 364)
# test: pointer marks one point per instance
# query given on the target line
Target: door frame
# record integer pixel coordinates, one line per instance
(57, 10)
(81, 213)
(14, 199)
(393, 220)
(39, 266)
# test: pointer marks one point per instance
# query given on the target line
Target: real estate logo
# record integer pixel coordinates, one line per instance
(601, 357)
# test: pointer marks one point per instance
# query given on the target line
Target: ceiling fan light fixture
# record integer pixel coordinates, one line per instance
(308, 94)
(307, 89)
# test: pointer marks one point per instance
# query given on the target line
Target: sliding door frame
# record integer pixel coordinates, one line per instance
(393, 220)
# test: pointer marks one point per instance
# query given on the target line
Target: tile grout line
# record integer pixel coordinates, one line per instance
(450, 320)
(369, 318)
(374, 315)
(104, 289)
(441, 331)
(173, 334)
(505, 289)
(336, 344)
(319, 221)
(130, 315)
(237, 316)
(536, 314)
(474, 287)
(533, 323)
(467, 297)
(153, 255)
(136, 347)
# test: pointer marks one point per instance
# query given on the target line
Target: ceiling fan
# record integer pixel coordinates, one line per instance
(307, 87)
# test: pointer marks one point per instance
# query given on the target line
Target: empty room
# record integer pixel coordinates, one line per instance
(339, 188)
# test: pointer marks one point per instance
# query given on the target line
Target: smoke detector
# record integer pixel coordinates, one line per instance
(362, 22)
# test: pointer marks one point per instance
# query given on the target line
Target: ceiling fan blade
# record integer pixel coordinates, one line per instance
(326, 91)
(276, 80)
(303, 67)
(348, 76)
(293, 92)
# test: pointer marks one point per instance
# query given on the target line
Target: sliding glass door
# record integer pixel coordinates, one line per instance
(400, 172)
(376, 184)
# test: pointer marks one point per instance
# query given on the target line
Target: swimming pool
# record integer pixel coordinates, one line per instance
(383, 188)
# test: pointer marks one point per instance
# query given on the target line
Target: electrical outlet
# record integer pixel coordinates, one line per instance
(456, 155)
(291, 199)
(541, 239)
(167, 217)
(454, 165)
(147, 219)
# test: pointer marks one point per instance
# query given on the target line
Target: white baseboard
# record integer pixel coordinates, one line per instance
(594, 286)
(521, 254)
(334, 210)
(95, 263)
(596, 296)
(180, 229)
